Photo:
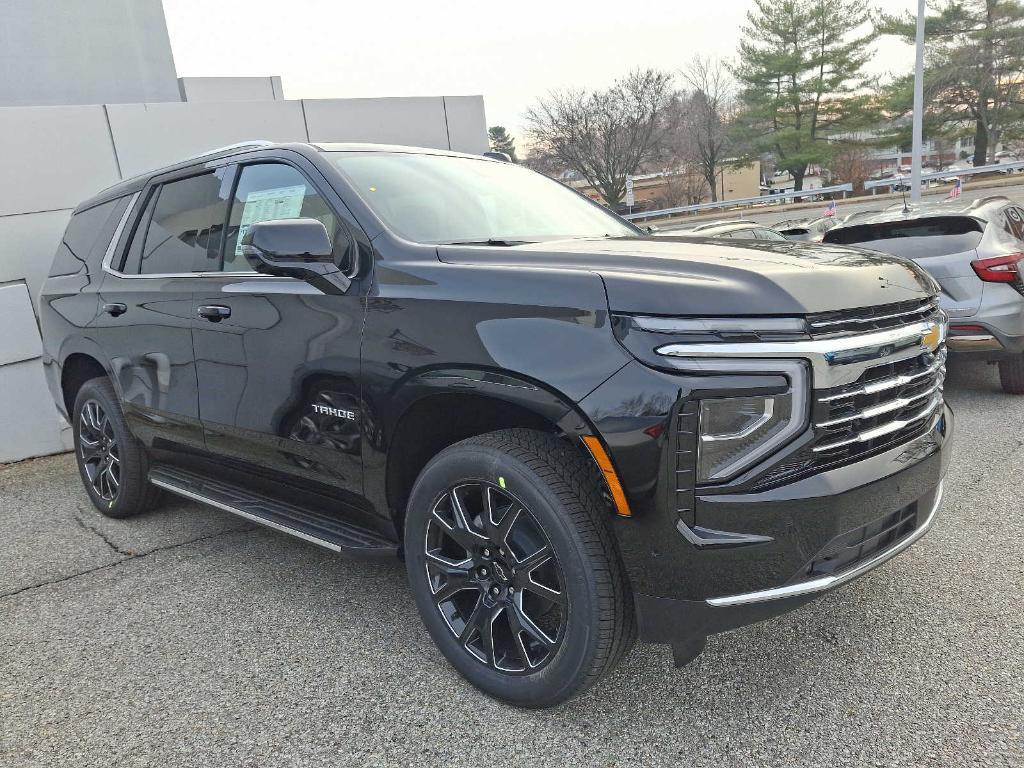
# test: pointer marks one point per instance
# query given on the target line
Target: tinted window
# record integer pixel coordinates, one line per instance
(935, 236)
(443, 199)
(768, 234)
(267, 192)
(87, 237)
(186, 227)
(134, 255)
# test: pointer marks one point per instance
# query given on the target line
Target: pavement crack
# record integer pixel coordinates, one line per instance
(106, 540)
(127, 557)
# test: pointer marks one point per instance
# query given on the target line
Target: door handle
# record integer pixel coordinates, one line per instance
(115, 310)
(214, 312)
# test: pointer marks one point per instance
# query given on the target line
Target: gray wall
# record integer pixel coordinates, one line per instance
(58, 156)
(230, 88)
(84, 52)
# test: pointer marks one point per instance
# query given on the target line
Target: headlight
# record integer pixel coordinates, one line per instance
(737, 432)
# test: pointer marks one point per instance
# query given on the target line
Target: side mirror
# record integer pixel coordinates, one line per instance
(299, 248)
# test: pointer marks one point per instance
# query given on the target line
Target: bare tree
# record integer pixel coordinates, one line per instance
(606, 135)
(705, 117)
(852, 163)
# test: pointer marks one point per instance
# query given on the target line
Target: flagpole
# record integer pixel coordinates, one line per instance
(918, 136)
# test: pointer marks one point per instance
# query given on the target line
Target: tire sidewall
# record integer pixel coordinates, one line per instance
(94, 390)
(559, 678)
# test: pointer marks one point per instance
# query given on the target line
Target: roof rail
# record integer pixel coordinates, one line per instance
(240, 145)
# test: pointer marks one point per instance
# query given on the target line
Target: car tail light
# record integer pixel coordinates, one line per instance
(999, 269)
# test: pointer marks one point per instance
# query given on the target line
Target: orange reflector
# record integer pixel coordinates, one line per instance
(604, 463)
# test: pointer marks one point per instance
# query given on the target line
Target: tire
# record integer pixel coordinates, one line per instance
(1011, 374)
(113, 465)
(557, 624)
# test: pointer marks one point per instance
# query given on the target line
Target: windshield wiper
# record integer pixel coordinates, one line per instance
(491, 241)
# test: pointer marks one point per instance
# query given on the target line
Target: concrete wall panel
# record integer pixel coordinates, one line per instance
(38, 430)
(467, 124)
(151, 135)
(416, 121)
(27, 245)
(84, 52)
(53, 157)
(195, 89)
(21, 334)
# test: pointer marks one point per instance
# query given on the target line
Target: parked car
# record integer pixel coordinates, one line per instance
(805, 230)
(974, 250)
(573, 434)
(729, 230)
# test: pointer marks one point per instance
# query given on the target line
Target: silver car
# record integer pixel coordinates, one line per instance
(730, 230)
(976, 253)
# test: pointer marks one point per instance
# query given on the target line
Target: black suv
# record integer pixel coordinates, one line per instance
(574, 435)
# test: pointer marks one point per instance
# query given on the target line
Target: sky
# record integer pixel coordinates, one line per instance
(510, 53)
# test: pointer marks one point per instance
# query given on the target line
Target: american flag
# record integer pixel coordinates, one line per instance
(957, 188)
(830, 209)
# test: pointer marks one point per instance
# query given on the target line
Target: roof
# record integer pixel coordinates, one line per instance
(982, 208)
(134, 183)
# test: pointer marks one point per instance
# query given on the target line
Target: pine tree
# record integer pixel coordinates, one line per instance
(974, 68)
(502, 142)
(800, 71)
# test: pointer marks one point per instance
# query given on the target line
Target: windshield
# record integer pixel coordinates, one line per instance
(443, 199)
(934, 236)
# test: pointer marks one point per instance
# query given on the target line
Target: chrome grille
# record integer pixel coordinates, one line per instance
(889, 402)
(849, 321)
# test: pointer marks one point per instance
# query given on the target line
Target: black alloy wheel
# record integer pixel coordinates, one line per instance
(494, 578)
(113, 464)
(99, 451)
(514, 567)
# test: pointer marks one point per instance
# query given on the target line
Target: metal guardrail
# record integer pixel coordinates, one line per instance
(739, 202)
(892, 181)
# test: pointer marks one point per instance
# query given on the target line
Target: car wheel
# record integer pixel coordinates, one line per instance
(113, 464)
(1011, 374)
(514, 568)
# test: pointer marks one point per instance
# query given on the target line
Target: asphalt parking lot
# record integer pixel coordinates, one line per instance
(188, 638)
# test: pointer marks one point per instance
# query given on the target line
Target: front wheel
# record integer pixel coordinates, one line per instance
(1011, 374)
(514, 569)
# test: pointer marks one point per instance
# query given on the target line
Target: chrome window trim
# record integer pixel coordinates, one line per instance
(108, 256)
(828, 582)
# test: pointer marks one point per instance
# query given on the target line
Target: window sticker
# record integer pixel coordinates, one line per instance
(270, 205)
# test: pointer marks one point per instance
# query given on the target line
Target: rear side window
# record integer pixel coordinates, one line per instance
(87, 237)
(935, 236)
(182, 227)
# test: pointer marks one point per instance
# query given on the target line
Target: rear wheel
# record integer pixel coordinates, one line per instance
(113, 464)
(1011, 374)
(513, 567)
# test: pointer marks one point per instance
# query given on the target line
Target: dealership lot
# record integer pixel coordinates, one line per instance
(187, 637)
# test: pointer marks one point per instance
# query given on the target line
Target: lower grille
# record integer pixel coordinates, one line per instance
(852, 548)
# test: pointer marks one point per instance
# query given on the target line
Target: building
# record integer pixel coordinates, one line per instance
(668, 189)
(88, 96)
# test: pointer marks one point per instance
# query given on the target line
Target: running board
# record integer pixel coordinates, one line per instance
(324, 530)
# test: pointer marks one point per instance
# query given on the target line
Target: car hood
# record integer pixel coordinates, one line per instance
(704, 276)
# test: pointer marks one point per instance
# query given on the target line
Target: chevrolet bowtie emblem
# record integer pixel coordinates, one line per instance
(933, 337)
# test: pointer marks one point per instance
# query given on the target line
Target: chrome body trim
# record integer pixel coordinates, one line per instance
(835, 362)
(878, 410)
(108, 256)
(891, 383)
(815, 586)
(241, 513)
(884, 429)
(923, 309)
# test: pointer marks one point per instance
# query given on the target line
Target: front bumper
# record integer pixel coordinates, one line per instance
(733, 586)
